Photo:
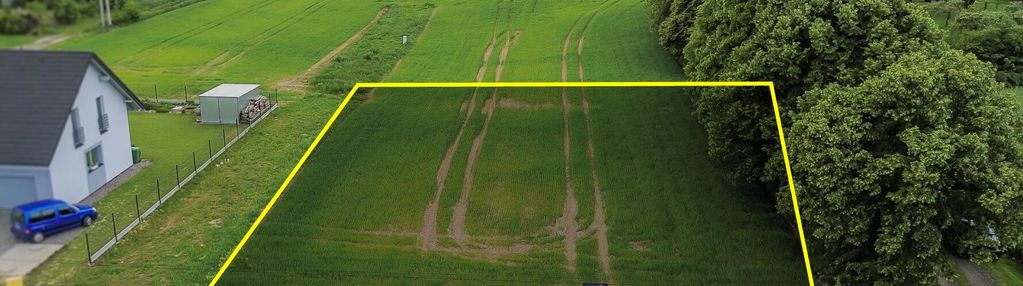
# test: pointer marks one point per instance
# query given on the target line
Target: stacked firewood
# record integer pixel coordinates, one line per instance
(256, 107)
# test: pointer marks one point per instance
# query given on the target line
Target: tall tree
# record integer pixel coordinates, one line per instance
(928, 152)
(673, 20)
(800, 45)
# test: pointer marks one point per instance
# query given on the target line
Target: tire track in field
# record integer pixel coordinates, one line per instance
(219, 64)
(457, 227)
(428, 234)
(196, 30)
(599, 215)
(298, 83)
(568, 222)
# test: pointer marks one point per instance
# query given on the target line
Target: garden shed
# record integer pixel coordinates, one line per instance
(224, 103)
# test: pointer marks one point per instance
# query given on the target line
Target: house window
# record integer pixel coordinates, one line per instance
(76, 129)
(104, 120)
(94, 158)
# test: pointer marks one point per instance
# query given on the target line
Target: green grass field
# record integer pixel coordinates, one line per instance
(355, 213)
(211, 42)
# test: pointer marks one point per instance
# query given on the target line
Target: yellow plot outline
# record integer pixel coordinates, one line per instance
(768, 84)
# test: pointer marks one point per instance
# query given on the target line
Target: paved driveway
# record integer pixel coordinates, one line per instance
(18, 258)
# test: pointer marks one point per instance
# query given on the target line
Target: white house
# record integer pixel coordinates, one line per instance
(63, 125)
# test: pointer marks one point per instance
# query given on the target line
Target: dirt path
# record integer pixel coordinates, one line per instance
(974, 274)
(428, 234)
(570, 211)
(45, 42)
(457, 227)
(298, 83)
(599, 216)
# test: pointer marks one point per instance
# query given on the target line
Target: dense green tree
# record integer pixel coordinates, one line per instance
(995, 37)
(673, 20)
(929, 151)
(800, 45)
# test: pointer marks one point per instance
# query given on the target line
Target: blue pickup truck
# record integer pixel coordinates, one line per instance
(36, 220)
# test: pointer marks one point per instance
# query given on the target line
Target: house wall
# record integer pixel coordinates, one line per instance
(22, 184)
(71, 179)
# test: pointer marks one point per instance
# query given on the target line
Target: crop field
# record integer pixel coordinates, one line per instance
(211, 42)
(530, 185)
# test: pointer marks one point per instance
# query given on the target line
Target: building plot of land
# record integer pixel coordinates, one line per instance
(354, 213)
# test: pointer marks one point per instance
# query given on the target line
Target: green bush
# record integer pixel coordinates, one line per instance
(66, 11)
(673, 20)
(995, 37)
(16, 22)
(126, 11)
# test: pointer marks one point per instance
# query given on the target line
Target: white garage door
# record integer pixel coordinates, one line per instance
(16, 190)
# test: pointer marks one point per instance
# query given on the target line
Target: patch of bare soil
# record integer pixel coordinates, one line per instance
(298, 83)
(457, 227)
(45, 42)
(511, 103)
(428, 234)
(642, 245)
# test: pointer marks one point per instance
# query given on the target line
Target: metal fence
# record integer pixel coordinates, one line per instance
(121, 225)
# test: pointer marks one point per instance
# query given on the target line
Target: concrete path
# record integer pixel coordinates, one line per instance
(23, 257)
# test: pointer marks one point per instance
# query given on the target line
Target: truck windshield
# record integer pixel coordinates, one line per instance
(18, 217)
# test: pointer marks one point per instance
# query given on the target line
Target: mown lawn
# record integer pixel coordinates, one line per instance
(166, 140)
(188, 238)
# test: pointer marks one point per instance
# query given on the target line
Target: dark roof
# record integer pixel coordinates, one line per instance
(37, 91)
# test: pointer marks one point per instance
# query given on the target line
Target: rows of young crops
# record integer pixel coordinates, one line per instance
(212, 42)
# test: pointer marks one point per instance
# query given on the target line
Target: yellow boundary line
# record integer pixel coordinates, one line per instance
(770, 85)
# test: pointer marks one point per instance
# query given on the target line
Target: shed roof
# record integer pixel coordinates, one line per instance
(230, 90)
(37, 91)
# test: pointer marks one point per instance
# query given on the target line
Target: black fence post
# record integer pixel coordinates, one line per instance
(159, 196)
(156, 93)
(177, 176)
(138, 212)
(113, 223)
(88, 250)
(194, 166)
(185, 95)
(236, 130)
(209, 145)
(223, 134)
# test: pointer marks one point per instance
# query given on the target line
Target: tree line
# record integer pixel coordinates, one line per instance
(903, 146)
